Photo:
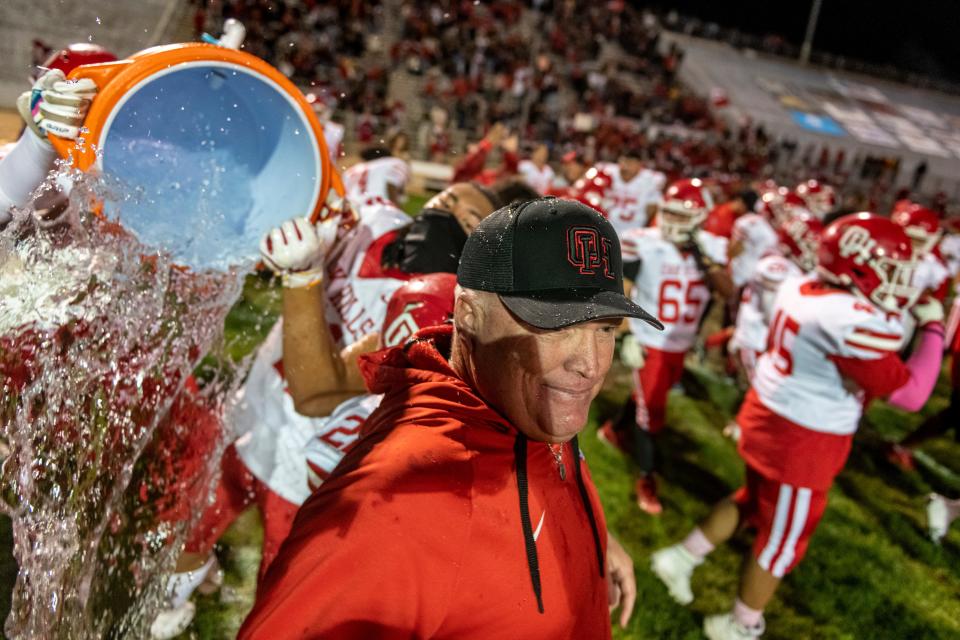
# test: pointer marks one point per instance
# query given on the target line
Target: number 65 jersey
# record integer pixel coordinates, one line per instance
(669, 282)
(828, 353)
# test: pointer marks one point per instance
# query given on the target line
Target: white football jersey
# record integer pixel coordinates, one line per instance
(366, 180)
(756, 302)
(950, 250)
(795, 377)
(357, 287)
(931, 273)
(539, 179)
(272, 435)
(670, 286)
(756, 238)
(929, 276)
(626, 202)
(328, 444)
(333, 136)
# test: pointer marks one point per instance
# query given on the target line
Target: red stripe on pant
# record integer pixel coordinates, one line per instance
(661, 370)
(236, 491)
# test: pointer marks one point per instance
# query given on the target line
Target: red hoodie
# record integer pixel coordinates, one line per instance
(419, 532)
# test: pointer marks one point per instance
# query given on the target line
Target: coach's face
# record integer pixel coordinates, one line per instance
(542, 381)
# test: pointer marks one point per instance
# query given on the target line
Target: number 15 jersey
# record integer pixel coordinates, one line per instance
(828, 353)
(670, 285)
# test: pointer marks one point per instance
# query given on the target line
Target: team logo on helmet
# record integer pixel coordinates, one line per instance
(588, 251)
(856, 243)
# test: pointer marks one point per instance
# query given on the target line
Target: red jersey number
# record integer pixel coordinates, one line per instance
(337, 443)
(779, 345)
(676, 296)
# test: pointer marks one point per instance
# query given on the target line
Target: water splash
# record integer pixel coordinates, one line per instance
(112, 445)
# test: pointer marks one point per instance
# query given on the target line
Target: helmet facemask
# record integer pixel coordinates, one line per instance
(895, 291)
(677, 222)
(922, 240)
(893, 288)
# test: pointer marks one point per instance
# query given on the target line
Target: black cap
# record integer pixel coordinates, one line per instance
(553, 262)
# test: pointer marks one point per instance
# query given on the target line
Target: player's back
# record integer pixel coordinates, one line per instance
(371, 179)
(358, 286)
(814, 326)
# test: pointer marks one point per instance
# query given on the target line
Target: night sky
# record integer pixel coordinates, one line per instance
(917, 35)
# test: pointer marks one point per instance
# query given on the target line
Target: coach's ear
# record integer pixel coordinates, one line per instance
(466, 313)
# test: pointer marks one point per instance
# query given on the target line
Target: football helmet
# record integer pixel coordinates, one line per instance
(818, 197)
(73, 56)
(421, 302)
(683, 208)
(799, 238)
(591, 189)
(921, 225)
(872, 256)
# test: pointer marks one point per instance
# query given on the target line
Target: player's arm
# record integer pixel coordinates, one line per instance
(871, 361)
(54, 106)
(471, 166)
(717, 275)
(318, 376)
(395, 193)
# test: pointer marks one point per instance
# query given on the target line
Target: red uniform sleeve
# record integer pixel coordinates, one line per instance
(878, 377)
(472, 164)
(944, 289)
(375, 552)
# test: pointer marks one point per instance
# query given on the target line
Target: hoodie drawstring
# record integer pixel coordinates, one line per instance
(530, 545)
(533, 564)
(575, 445)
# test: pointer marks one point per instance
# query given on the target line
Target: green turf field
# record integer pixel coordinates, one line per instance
(871, 572)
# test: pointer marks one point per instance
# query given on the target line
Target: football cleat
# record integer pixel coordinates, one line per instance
(647, 498)
(608, 435)
(724, 627)
(213, 580)
(901, 457)
(674, 566)
(170, 623)
(938, 518)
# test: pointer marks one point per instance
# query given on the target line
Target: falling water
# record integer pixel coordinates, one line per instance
(112, 446)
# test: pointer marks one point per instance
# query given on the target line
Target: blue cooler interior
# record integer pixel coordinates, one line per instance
(208, 159)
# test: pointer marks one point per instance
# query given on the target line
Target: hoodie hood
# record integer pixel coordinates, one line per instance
(421, 362)
(431, 393)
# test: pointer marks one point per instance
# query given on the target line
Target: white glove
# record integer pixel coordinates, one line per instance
(56, 105)
(631, 353)
(233, 34)
(297, 250)
(927, 310)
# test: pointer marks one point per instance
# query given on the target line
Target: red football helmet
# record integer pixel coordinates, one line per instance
(799, 236)
(591, 189)
(73, 56)
(922, 226)
(424, 301)
(683, 208)
(872, 256)
(818, 197)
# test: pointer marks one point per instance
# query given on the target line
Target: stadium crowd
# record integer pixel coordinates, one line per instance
(400, 335)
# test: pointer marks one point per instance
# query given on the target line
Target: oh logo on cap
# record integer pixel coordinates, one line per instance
(588, 251)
